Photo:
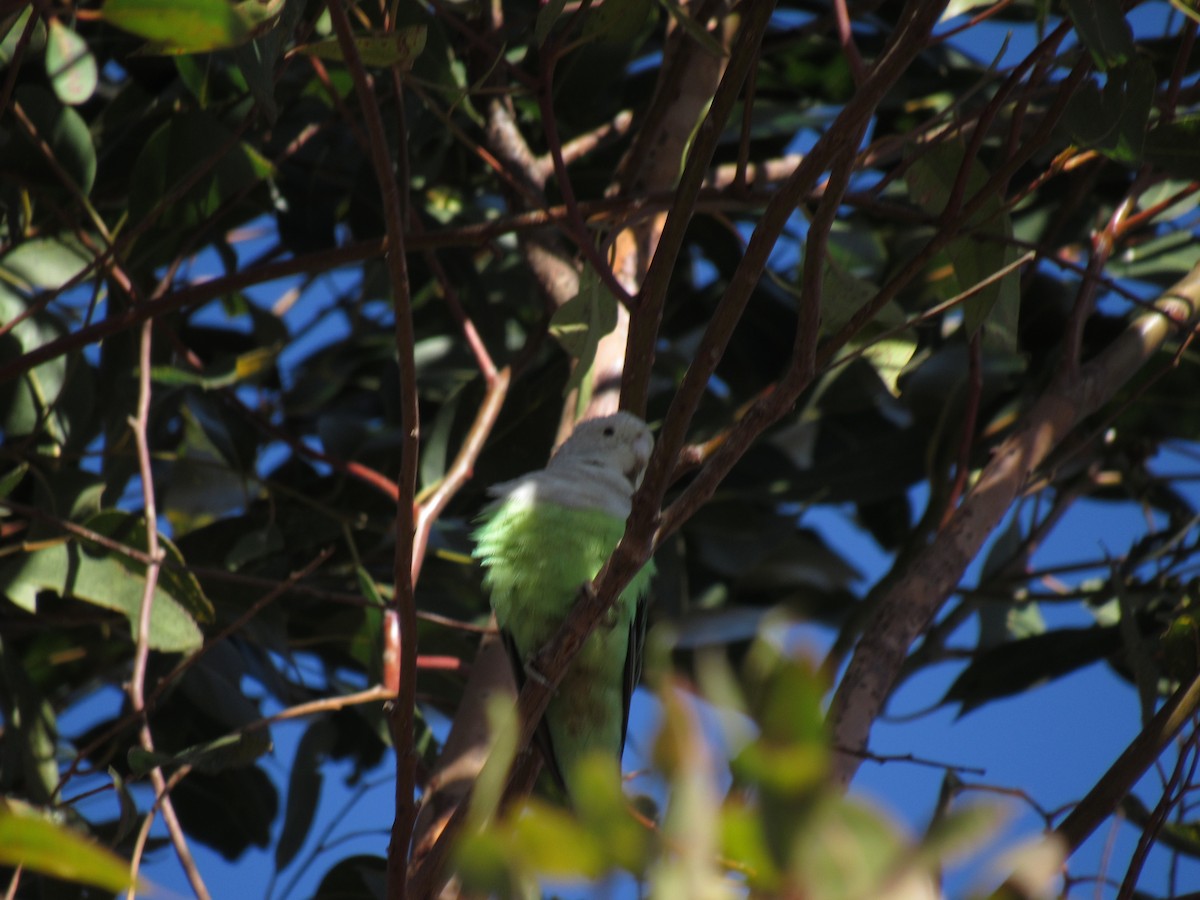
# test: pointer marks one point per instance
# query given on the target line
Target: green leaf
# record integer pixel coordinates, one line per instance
(582, 321)
(482, 861)
(602, 809)
(546, 18)
(1175, 147)
(225, 372)
(257, 59)
(845, 850)
(304, 789)
(30, 745)
(1179, 648)
(378, 49)
(1167, 256)
(551, 842)
(10, 479)
(96, 575)
(744, 841)
(619, 21)
(187, 143)
(34, 841)
(213, 686)
(46, 263)
(1014, 667)
(961, 830)
(1113, 120)
(183, 26)
(983, 251)
(71, 494)
(174, 577)
(842, 295)
(230, 751)
(62, 129)
(16, 27)
(366, 644)
(1103, 30)
(70, 66)
(28, 403)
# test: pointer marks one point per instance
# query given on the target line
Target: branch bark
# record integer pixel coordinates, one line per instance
(907, 608)
(400, 620)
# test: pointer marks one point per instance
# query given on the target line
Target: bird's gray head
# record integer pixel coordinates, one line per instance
(618, 443)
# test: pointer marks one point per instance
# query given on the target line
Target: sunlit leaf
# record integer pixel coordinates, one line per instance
(106, 578)
(188, 26)
(37, 843)
(582, 321)
(70, 66)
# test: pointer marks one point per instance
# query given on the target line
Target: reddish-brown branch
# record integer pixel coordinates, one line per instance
(949, 228)
(838, 143)
(615, 210)
(1179, 72)
(651, 298)
(845, 32)
(579, 147)
(403, 712)
(576, 226)
(592, 602)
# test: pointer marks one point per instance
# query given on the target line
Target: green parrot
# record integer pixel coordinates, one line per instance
(546, 534)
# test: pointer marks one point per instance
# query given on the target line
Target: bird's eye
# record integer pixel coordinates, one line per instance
(609, 431)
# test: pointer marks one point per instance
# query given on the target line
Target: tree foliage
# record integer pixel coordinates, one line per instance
(295, 281)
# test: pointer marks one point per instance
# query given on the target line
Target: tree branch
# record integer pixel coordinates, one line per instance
(137, 680)
(403, 612)
(908, 606)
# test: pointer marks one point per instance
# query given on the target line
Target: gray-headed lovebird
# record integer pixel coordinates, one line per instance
(546, 535)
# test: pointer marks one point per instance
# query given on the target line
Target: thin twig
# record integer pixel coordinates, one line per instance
(460, 471)
(137, 680)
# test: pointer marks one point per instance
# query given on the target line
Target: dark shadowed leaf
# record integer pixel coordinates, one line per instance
(1102, 28)
(1008, 669)
(304, 790)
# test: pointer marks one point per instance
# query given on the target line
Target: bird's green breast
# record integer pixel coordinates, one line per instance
(538, 554)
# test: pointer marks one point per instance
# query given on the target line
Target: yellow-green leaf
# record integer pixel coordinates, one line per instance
(70, 67)
(182, 26)
(28, 838)
(376, 48)
(580, 323)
